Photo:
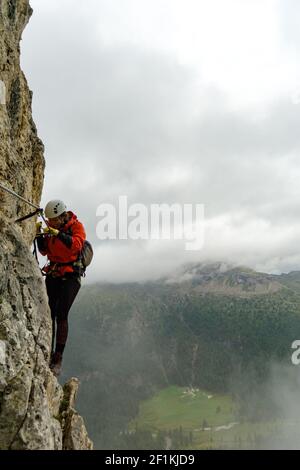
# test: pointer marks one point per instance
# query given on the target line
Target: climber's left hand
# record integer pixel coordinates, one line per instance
(51, 231)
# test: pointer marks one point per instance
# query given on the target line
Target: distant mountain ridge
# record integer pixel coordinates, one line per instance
(222, 278)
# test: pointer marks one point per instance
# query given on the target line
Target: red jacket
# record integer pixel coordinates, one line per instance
(64, 248)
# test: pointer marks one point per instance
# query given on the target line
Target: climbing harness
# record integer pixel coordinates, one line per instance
(35, 254)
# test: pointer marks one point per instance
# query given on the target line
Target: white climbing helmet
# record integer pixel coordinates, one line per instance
(55, 208)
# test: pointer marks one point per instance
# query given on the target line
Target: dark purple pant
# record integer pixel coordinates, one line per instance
(61, 295)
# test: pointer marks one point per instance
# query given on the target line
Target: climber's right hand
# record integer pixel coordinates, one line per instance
(38, 227)
(51, 231)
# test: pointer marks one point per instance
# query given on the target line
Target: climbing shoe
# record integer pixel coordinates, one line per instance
(56, 363)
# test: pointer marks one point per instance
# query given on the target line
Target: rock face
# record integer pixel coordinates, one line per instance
(33, 412)
(21, 151)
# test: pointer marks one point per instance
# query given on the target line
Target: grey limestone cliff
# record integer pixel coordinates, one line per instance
(35, 412)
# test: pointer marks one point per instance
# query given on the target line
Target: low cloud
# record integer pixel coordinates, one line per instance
(123, 118)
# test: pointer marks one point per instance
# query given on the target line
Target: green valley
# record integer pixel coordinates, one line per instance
(227, 332)
(189, 418)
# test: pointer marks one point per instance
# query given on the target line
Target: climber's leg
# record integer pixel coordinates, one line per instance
(69, 289)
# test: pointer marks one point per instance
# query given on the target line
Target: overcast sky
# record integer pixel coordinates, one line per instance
(172, 101)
